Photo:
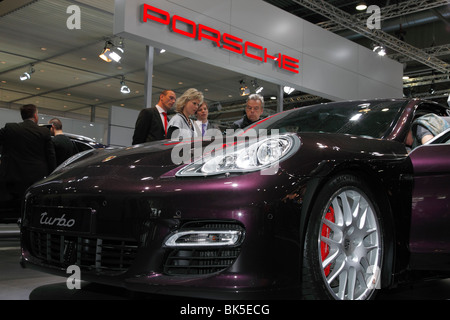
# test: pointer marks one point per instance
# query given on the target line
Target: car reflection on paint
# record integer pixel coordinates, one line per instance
(326, 202)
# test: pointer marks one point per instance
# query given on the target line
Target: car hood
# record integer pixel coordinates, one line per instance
(161, 159)
(131, 162)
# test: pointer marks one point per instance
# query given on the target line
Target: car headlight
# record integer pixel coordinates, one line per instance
(258, 155)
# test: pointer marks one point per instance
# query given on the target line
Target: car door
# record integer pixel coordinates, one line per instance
(430, 220)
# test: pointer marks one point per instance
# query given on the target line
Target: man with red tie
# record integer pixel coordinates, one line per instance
(151, 123)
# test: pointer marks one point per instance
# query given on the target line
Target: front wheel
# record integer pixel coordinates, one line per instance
(344, 243)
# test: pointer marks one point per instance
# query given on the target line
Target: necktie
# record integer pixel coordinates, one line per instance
(203, 128)
(165, 122)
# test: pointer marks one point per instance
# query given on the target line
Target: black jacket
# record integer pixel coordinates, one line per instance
(149, 126)
(242, 123)
(28, 155)
(64, 148)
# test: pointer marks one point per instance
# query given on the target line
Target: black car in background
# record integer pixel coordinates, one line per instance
(84, 143)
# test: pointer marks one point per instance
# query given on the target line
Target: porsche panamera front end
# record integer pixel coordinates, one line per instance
(255, 218)
(132, 218)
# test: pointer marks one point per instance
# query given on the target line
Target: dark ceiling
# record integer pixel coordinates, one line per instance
(413, 32)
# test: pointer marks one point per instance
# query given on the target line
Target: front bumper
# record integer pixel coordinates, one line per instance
(125, 243)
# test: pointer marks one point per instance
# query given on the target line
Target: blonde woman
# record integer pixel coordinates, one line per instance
(181, 123)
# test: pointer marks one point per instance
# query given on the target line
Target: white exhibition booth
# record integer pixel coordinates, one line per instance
(251, 37)
(254, 38)
(233, 34)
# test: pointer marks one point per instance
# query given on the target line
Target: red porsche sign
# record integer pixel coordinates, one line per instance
(226, 41)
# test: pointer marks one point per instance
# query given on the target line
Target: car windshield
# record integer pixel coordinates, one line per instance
(372, 118)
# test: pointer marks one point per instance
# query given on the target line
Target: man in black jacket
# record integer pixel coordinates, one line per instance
(64, 147)
(28, 154)
(151, 124)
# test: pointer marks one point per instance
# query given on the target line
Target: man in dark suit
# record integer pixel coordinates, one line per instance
(202, 119)
(151, 123)
(28, 154)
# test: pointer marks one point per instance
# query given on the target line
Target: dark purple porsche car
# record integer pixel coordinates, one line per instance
(319, 202)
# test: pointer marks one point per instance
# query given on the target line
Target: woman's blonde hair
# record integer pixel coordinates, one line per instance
(188, 95)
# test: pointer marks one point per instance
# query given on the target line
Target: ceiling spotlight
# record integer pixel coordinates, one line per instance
(379, 50)
(162, 50)
(116, 54)
(288, 90)
(117, 51)
(27, 74)
(104, 55)
(258, 89)
(244, 91)
(111, 52)
(123, 87)
(361, 6)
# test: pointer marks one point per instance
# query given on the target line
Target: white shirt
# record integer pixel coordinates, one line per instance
(200, 124)
(185, 130)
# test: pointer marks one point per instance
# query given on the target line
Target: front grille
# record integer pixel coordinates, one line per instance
(199, 261)
(104, 256)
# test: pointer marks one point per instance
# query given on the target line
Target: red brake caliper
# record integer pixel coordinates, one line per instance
(324, 248)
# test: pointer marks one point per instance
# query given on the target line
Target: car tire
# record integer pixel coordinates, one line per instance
(343, 246)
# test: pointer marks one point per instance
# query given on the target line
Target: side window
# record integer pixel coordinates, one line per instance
(443, 138)
(426, 107)
(426, 127)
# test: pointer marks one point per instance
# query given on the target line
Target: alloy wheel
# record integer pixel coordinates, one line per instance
(350, 245)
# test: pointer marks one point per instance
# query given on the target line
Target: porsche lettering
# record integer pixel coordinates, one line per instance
(191, 29)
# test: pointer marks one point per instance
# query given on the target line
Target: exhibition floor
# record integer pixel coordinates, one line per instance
(17, 283)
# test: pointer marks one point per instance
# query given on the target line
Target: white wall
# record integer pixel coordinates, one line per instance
(330, 66)
(121, 126)
(95, 131)
(9, 115)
